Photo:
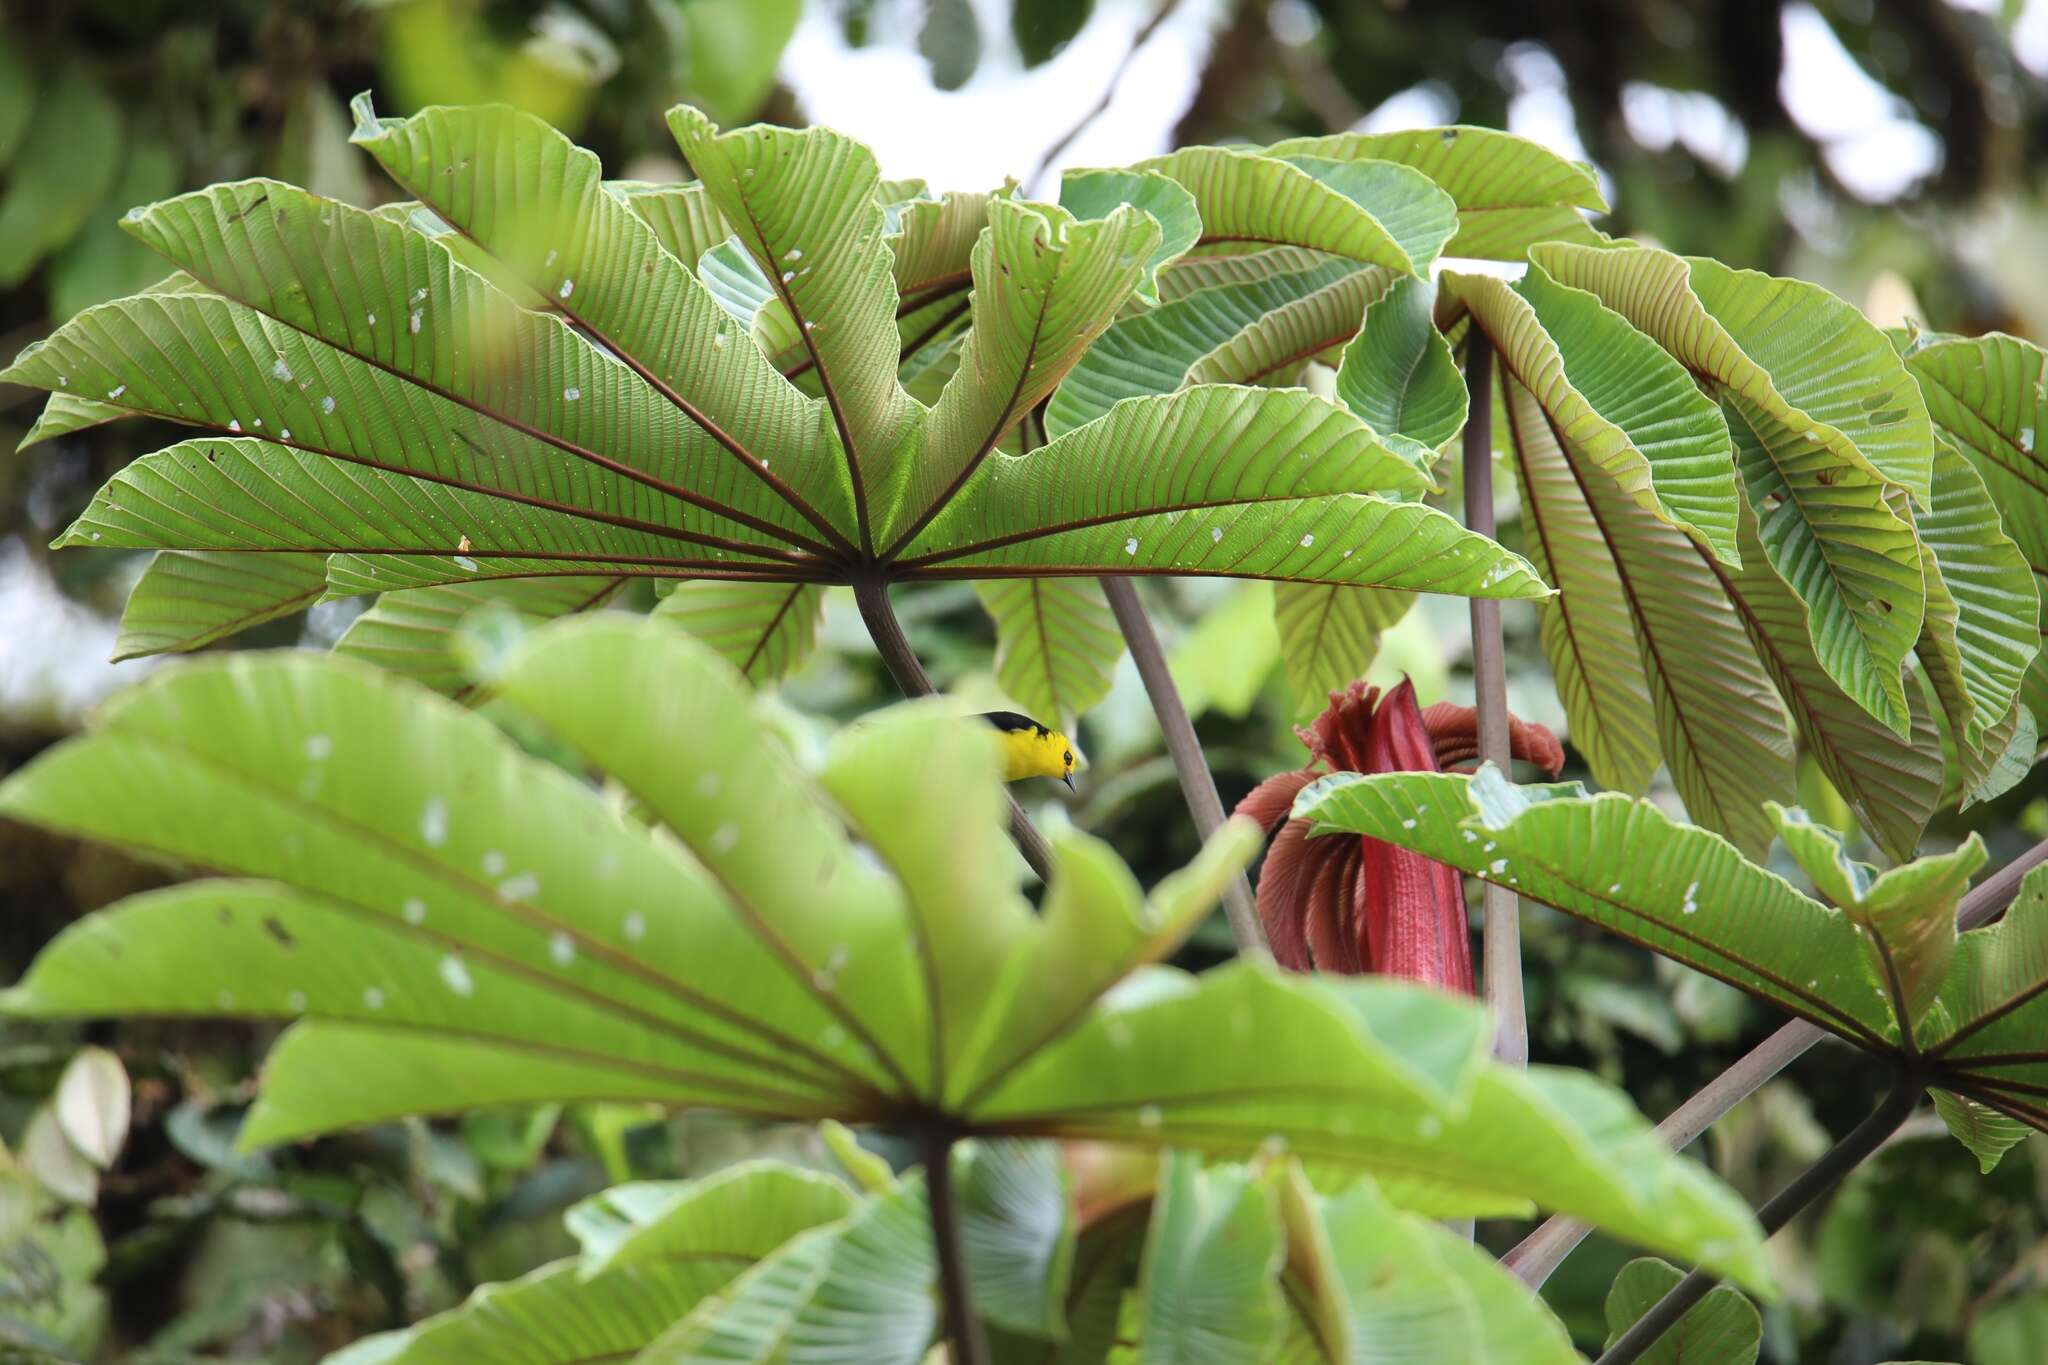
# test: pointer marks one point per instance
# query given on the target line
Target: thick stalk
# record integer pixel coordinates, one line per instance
(1501, 942)
(1544, 1250)
(887, 633)
(1811, 1183)
(1197, 783)
(963, 1329)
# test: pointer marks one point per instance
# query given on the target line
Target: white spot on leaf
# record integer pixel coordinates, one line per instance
(635, 927)
(434, 823)
(415, 911)
(456, 974)
(493, 863)
(319, 747)
(562, 948)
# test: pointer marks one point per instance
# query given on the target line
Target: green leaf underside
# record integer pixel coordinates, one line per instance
(1096, 194)
(412, 632)
(1718, 724)
(1045, 286)
(1615, 399)
(1362, 1276)
(1330, 635)
(1986, 397)
(1723, 1327)
(1057, 643)
(1892, 785)
(1976, 1000)
(651, 1253)
(1822, 425)
(188, 600)
(1621, 863)
(814, 226)
(1232, 334)
(1397, 375)
(66, 413)
(1209, 1284)
(1988, 1134)
(1378, 213)
(765, 630)
(345, 347)
(1226, 492)
(457, 924)
(859, 1288)
(1510, 193)
(555, 225)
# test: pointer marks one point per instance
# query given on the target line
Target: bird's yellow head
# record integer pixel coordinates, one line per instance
(1031, 749)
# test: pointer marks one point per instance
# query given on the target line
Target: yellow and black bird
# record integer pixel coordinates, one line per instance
(1031, 749)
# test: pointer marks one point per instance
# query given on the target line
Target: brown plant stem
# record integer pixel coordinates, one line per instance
(1500, 973)
(963, 1329)
(872, 596)
(1810, 1184)
(1544, 1250)
(1197, 783)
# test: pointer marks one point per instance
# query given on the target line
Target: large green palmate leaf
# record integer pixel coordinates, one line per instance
(362, 329)
(454, 923)
(1887, 970)
(528, 373)
(1986, 397)
(185, 600)
(1510, 193)
(1825, 421)
(1057, 643)
(1624, 572)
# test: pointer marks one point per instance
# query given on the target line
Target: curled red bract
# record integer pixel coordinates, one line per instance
(1349, 904)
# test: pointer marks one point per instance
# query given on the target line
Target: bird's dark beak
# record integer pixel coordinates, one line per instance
(1069, 780)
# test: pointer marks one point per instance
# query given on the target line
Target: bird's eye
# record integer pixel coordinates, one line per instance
(1070, 758)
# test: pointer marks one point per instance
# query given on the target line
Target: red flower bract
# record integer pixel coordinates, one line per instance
(1347, 904)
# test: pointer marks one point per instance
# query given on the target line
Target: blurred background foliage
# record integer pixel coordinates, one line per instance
(1890, 151)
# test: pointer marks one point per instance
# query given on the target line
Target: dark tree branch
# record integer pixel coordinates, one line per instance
(1197, 783)
(1116, 77)
(1816, 1180)
(1501, 947)
(872, 595)
(963, 1329)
